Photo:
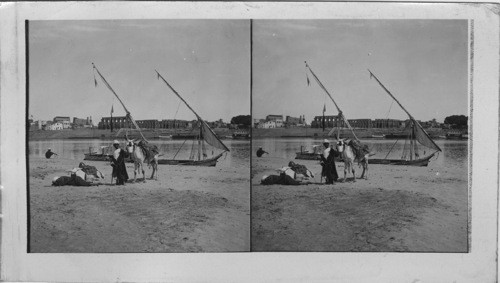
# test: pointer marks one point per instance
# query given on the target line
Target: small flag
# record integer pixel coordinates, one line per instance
(95, 81)
(308, 82)
(112, 110)
(324, 108)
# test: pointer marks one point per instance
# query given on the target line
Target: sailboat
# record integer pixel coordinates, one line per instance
(415, 135)
(205, 134)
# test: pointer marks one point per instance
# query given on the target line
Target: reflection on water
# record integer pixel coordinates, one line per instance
(239, 154)
(453, 155)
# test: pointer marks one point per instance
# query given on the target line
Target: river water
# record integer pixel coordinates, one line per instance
(453, 156)
(238, 156)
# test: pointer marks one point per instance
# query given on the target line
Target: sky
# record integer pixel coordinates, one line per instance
(206, 61)
(424, 63)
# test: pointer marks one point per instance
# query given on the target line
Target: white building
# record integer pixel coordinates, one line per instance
(56, 126)
(267, 125)
(66, 124)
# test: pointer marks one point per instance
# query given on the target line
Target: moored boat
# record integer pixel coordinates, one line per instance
(394, 136)
(209, 162)
(241, 135)
(306, 155)
(416, 162)
(184, 136)
(205, 134)
(415, 134)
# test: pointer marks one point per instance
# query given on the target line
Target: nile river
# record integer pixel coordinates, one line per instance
(75, 149)
(453, 155)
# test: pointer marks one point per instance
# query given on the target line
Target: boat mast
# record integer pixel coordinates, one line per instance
(197, 116)
(329, 95)
(121, 102)
(412, 120)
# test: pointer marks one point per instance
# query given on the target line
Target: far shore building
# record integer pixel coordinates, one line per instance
(271, 124)
(174, 124)
(361, 123)
(337, 121)
(257, 123)
(148, 124)
(388, 123)
(268, 125)
(64, 120)
(293, 121)
(120, 122)
(82, 123)
(57, 126)
(274, 117)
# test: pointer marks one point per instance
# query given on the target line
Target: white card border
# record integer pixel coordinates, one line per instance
(479, 265)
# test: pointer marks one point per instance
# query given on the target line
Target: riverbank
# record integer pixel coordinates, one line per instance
(88, 133)
(319, 133)
(398, 209)
(188, 209)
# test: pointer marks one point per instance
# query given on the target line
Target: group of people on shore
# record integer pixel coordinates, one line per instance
(117, 163)
(296, 174)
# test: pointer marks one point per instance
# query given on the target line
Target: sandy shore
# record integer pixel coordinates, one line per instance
(399, 208)
(188, 209)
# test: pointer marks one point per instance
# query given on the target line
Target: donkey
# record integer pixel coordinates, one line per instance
(349, 156)
(138, 155)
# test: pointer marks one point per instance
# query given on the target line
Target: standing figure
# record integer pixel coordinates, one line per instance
(329, 170)
(118, 164)
(261, 152)
(49, 153)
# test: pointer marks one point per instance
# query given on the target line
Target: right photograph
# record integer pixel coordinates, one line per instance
(360, 135)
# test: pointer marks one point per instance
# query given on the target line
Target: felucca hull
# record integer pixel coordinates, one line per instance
(423, 162)
(96, 157)
(101, 157)
(209, 162)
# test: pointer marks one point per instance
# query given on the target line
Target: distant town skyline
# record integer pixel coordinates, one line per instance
(310, 119)
(424, 63)
(206, 61)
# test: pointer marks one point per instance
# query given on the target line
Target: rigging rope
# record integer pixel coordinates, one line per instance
(390, 107)
(175, 116)
(183, 143)
(191, 155)
(405, 150)
(391, 149)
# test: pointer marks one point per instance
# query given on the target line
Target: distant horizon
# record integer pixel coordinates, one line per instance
(109, 116)
(423, 63)
(205, 61)
(373, 118)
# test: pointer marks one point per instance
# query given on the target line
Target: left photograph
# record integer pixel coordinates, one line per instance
(138, 136)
